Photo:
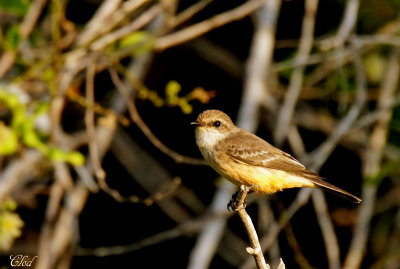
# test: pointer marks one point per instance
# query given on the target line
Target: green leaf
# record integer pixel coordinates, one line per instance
(13, 37)
(76, 158)
(8, 140)
(17, 7)
(171, 90)
(133, 39)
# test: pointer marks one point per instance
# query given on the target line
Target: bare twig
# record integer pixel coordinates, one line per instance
(107, 17)
(90, 125)
(18, 172)
(321, 209)
(296, 79)
(97, 23)
(255, 248)
(140, 22)
(189, 12)
(258, 66)
(208, 239)
(203, 27)
(327, 229)
(319, 156)
(371, 166)
(346, 27)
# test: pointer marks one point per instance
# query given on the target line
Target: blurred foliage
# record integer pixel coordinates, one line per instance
(172, 98)
(10, 224)
(17, 7)
(22, 128)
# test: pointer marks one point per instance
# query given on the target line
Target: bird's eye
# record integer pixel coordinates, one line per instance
(217, 123)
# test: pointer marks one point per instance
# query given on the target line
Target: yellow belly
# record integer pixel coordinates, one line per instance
(263, 179)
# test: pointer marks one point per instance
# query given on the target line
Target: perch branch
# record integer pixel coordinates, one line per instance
(255, 248)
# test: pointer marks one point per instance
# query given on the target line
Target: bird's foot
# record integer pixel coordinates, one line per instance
(238, 201)
(234, 202)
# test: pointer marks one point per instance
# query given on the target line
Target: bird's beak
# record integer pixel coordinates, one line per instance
(196, 122)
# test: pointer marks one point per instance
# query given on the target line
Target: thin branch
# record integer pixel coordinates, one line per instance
(97, 25)
(346, 27)
(187, 228)
(210, 235)
(319, 155)
(255, 248)
(18, 172)
(203, 27)
(296, 79)
(106, 18)
(189, 12)
(90, 125)
(140, 22)
(258, 67)
(371, 166)
(327, 229)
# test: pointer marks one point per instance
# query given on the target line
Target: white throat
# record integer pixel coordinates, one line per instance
(208, 138)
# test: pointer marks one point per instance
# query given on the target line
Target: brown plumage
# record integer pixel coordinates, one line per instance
(244, 158)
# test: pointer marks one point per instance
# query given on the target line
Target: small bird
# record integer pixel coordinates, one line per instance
(245, 159)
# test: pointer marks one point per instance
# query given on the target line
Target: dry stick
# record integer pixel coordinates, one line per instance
(140, 22)
(211, 234)
(258, 67)
(19, 171)
(346, 27)
(296, 79)
(321, 209)
(188, 227)
(255, 248)
(189, 12)
(339, 57)
(319, 202)
(105, 24)
(319, 155)
(89, 121)
(327, 229)
(371, 166)
(203, 27)
(266, 219)
(57, 191)
(109, 14)
(99, 21)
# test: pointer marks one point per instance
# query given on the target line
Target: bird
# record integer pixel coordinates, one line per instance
(246, 159)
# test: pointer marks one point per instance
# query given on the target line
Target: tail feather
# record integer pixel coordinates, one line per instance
(333, 189)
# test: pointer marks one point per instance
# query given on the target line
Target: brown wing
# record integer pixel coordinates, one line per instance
(254, 151)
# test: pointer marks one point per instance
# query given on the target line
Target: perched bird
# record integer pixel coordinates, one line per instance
(245, 159)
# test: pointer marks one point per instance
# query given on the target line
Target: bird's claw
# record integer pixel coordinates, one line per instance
(234, 204)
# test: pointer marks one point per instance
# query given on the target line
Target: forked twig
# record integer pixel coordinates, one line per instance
(255, 248)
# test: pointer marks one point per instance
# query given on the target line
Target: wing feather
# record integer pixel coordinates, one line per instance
(252, 150)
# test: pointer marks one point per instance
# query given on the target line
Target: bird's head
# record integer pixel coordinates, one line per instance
(212, 126)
